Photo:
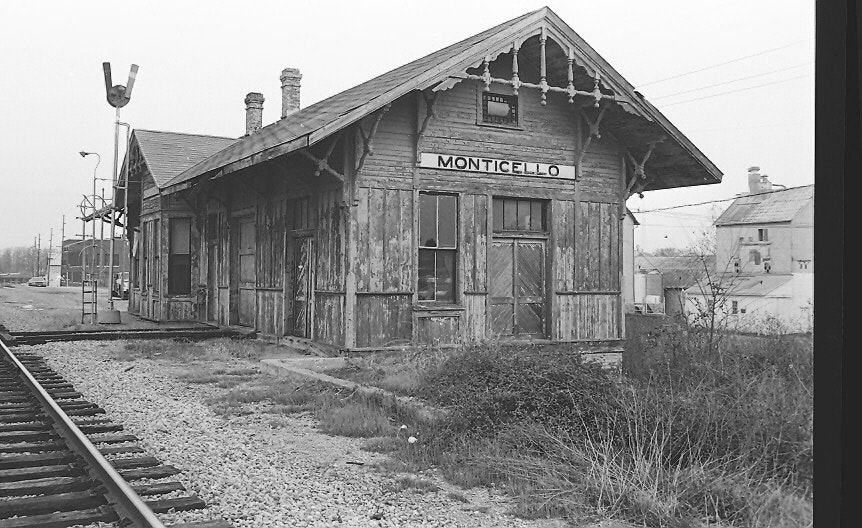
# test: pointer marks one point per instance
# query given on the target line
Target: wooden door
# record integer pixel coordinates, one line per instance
(517, 275)
(303, 273)
(247, 275)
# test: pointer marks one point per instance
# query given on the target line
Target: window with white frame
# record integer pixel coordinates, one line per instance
(438, 246)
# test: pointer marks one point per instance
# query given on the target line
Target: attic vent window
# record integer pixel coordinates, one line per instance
(499, 109)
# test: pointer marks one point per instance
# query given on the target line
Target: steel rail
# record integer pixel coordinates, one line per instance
(127, 504)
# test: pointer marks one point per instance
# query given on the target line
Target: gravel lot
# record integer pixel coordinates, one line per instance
(260, 470)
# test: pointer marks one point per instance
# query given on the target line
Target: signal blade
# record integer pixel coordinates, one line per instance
(132, 74)
(106, 66)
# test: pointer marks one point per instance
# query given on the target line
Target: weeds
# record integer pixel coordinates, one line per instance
(687, 439)
(355, 419)
(457, 497)
(684, 438)
(410, 482)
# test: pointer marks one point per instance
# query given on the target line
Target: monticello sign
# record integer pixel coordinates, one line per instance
(495, 166)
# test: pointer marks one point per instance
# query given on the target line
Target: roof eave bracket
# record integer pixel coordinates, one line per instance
(367, 138)
(323, 162)
(639, 168)
(594, 132)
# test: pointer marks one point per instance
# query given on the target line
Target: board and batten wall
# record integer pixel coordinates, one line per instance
(150, 298)
(286, 204)
(584, 217)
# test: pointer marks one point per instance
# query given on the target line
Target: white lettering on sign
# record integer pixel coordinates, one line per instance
(495, 166)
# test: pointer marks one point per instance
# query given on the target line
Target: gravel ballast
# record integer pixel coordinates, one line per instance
(259, 470)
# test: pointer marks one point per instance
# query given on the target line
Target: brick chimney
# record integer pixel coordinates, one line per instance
(253, 112)
(290, 78)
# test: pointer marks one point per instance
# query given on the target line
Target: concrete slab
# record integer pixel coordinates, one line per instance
(300, 366)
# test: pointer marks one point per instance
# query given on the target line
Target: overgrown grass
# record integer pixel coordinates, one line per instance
(685, 440)
(184, 350)
(681, 439)
(400, 372)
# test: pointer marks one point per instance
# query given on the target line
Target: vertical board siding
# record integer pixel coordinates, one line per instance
(329, 294)
(565, 327)
(384, 320)
(269, 232)
(475, 312)
(268, 316)
(329, 238)
(563, 228)
(598, 240)
(597, 316)
(438, 330)
(473, 252)
(329, 318)
(384, 230)
(473, 241)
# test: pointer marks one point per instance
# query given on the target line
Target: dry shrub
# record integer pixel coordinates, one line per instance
(688, 439)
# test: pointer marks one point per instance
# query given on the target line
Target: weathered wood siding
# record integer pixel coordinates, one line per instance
(270, 230)
(583, 231)
(365, 241)
(391, 166)
(177, 307)
(151, 299)
(329, 293)
(382, 266)
(475, 210)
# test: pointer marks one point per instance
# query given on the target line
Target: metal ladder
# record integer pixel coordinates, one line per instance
(89, 301)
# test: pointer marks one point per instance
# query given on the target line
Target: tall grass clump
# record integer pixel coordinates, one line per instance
(688, 438)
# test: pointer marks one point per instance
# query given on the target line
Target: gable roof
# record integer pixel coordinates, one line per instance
(745, 286)
(677, 162)
(768, 207)
(167, 154)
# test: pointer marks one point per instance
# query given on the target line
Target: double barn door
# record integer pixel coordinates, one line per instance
(517, 293)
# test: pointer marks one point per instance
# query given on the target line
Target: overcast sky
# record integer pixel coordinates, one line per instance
(198, 60)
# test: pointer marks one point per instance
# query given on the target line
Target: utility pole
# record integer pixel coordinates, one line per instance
(63, 250)
(102, 244)
(48, 260)
(39, 256)
(36, 260)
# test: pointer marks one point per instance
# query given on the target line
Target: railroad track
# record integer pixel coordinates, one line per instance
(53, 466)
(41, 337)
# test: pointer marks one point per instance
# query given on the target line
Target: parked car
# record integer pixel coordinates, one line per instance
(38, 281)
(121, 285)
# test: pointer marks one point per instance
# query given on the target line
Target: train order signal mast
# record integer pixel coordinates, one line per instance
(118, 96)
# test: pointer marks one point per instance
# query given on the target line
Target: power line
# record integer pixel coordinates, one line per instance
(684, 216)
(739, 90)
(732, 81)
(725, 63)
(708, 202)
(775, 125)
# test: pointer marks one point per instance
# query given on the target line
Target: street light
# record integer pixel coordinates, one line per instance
(84, 154)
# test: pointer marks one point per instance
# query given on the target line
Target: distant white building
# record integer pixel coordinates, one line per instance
(764, 259)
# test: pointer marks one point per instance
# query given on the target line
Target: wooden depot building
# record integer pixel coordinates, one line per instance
(475, 194)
